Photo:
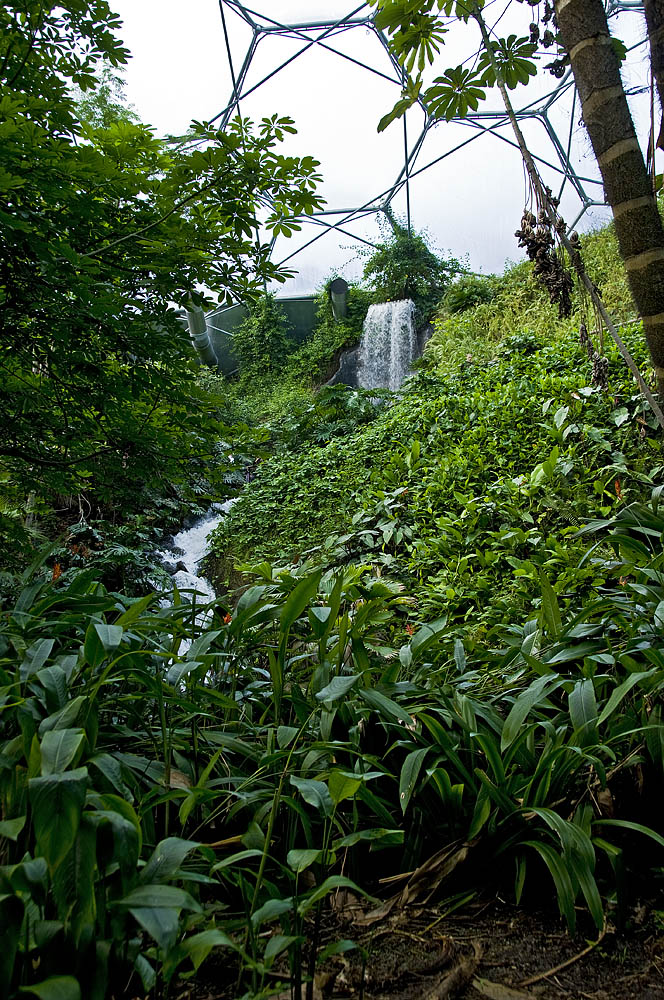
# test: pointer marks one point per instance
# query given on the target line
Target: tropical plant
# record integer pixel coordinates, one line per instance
(403, 266)
(103, 229)
(260, 342)
(417, 31)
(467, 291)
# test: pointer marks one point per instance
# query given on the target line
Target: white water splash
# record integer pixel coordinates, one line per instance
(388, 345)
(193, 545)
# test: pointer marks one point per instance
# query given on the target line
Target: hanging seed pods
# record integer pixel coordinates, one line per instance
(585, 340)
(536, 236)
(600, 372)
(557, 67)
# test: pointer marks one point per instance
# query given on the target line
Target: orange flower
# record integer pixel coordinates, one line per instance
(57, 572)
(616, 486)
(410, 629)
(228, 618)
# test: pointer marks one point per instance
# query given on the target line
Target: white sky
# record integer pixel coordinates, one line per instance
(470, 203)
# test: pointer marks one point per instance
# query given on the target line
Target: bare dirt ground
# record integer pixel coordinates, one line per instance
(487, 950)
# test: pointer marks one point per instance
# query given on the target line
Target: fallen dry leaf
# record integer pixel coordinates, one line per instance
(497, 991)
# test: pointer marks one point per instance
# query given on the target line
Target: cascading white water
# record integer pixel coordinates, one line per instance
(190, 546)
(388, 345)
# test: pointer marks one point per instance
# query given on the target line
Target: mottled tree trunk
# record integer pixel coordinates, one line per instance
(654, 11)
(585, 34)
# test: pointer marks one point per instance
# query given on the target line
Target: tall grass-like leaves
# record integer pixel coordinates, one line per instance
(583, 710)
(536, 694)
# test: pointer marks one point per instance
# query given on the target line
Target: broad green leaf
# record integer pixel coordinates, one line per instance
(111, 768)
(385, 707)
(167, 859)
(320, 620)
(57, 801)
(110, 636)
(381, 836)
(315, 793)
(159, 896)
(235, 859)
(135, 610)
(302, 858)
(333, 882)
(426, 635)
(196, 948)
(55, 988)
(336, 948)
(659, 616)
(277, 944)
(36, 656)
(54, 681)
(301, 595)
(145, 970)
(66, 716)
(11, 828)
(342, 786)
(200, 646)
(410, 771)
(113, 811)
(337, 688)
(74, 883)
(93, 647)
(535, 694)
(180, 670)
(285, 736)
(161, 922)
(583, 709)
(271, 910)
(59, 747)
(560, 416)
(399, 109)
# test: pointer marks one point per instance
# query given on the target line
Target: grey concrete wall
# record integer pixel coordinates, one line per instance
(300, 313)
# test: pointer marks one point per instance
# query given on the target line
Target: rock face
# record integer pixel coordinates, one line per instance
(390, 343)
(347, 372)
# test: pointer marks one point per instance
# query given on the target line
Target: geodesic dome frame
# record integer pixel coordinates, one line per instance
(588, 190)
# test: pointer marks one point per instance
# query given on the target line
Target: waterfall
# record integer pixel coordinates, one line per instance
(189, 546)
(388, 345)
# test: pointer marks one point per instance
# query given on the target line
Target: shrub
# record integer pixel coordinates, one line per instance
(261, 341)
(404, 266)
(467, 291)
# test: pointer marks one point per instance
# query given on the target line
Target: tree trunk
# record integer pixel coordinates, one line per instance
(654, 11)
(585, 34)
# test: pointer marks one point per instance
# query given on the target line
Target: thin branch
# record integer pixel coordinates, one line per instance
(544, 199)
(570, 961)
(31, 45)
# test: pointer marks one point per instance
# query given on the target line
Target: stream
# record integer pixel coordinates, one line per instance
(188, 548)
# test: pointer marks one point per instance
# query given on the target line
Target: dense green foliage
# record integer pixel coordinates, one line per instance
(481, 417)
(467, 291)
(281, 394)
(162, 799)
(260, 342)
(403, 266)
(446, 644)
(104, 227)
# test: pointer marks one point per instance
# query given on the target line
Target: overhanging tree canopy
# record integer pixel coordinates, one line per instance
(102, 231)
(417, 29)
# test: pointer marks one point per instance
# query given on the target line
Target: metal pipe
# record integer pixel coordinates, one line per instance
(199, 336)
(339, 297)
